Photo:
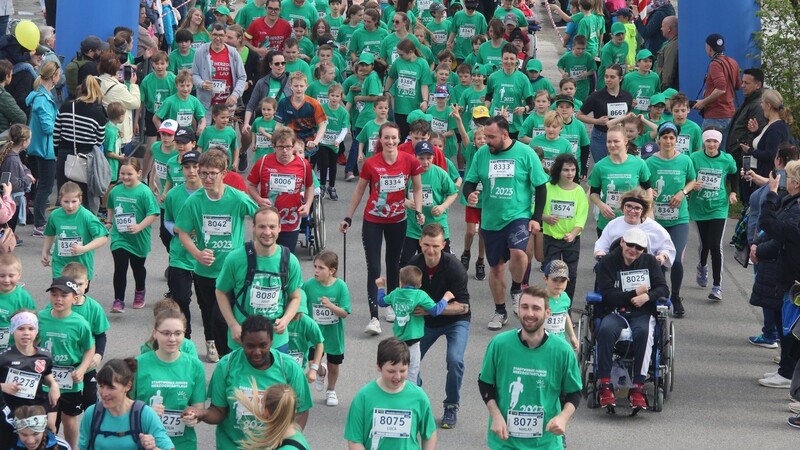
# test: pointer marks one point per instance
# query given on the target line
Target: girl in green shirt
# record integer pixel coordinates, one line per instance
(195, 23)
(279, 430)
(408, 80)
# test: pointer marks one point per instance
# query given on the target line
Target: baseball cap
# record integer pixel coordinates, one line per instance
(184, 135)
(189, 157)
(716, 42)
(168, 126)
(669, 93)
(635, 236)
(564, 98)
(657, 98)
(423, 147)
(366, 58)
(441, 92)
(534, 64)
(93, 42)
(617, 28)
(556, 269)
(510, 19)
(416, 115)
(223, 10)
(64, 284)
(326, 39)
(482, 69)
(480, 112)
(436, 7)
(623, 12)
(644, 54)
(516, 34)
(649, 149)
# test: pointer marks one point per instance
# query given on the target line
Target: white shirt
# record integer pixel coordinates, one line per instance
(659, 241)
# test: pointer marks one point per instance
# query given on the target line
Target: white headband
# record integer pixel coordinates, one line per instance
(712, 134)
(24, 318)
(35, 423)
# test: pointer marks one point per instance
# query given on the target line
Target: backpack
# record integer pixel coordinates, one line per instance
(739, 238)
(73, 67)
(135, 423)
(283, 273)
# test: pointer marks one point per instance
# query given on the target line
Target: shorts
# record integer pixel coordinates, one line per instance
(150, 129)
(472, 215)
(332, 359)
(70, 403)
(499, 243)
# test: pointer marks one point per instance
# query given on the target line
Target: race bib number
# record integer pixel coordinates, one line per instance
(555, 323)
(548, 163)
(665, 212)
(427, 197)
(683, 143)
(575, 73)
(407, 85)
(323, 315)
(196, 45)
(617, 110)
(424, 5)
(438, 125)
(613, 198)
(124, 221)
(562, 209)
(65, 246)
(641, 103)
(709, 181)
(631, 280)
(28, 382)
(262, 141)
(63, 376)
(217, 225)
(297, 357)
(502, 168)
(5, 335)
(360, 106)
(329, 138)
(509, 115)
(184, 119)
(466, 32)
(371, 142)
(283, 183)
(392, 183)
(524, 424)
(391, 423)
(161, 170)
(173, 423)
(263, 297)
(219, 86)
(439, 37)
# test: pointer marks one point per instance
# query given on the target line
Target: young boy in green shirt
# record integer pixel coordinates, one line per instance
(262, 129)
(220, 134)
(578, 65)
(690, 138)
(550, 141)
(643, 83)
(442, 120)
(591, 26)
(183, 57)
(556, 277)
(155, 88)
(368, 136)
(538, 81)
(307, 48)
(614, 52)
(182, 107)
(335, 133)
(163, 151)
(363, 99)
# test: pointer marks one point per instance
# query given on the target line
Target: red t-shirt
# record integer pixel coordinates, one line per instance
(259, 32)
(387, 187)
(438, 157)
(221, 76)
(235, 181)
(723, 74)
(283, 185)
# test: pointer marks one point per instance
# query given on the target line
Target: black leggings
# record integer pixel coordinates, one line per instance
(180, 286)
(711, 232)
(123, 258)
(326, 163)
(372, 236)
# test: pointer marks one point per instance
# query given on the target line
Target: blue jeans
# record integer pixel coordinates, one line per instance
(597, 145)
(45, 172)
(772, 320)
(722, 124)
(352, 157)
(456, 334)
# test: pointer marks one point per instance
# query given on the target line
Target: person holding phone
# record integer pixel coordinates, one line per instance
(125, 91)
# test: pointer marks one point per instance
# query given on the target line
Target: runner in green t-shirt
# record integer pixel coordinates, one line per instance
(690, 139)
(575, 132)
(443, 120)
(550, 142)
(304, 334)
(182, 107)
(252, 10)
(534, 124)
(474, 95)
(438, 26)
(182, 58)
(335, 134)
(163, 151)
(614, 52)
(491, 51)
(368, 136)
(368, 38)
(508, 92)
(13, 297)
(291, 10)
(559, 324)
(262, 129)
(112, 143)
(220, 134)
(643, 83)
(578, 65)
(464, 26)
(388, 52)
(409, 77)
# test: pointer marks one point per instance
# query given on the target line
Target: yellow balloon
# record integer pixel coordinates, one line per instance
(27, 34)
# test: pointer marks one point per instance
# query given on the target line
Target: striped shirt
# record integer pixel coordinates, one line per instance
(83, 129)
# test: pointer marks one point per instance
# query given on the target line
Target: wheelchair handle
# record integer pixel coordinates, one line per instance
(594, 297)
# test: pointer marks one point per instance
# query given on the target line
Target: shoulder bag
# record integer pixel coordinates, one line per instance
(76, 166)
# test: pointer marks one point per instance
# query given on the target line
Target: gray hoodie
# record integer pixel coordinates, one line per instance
(201, 71)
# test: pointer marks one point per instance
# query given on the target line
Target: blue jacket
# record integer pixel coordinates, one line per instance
(43, 119)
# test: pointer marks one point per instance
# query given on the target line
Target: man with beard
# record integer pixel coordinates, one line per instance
(511, 174)
(630, 282)
(525, 373)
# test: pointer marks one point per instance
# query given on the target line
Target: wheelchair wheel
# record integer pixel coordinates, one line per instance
(591, 397)
(658, 399)
(320, 236)
(670, 351)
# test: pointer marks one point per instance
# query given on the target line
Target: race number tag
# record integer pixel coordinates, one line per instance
(371, 142)
(555, 323)
(466, 31)
(562, 209)
(424, 5)
(392, 183)
(63, 376)
(218, 86)
(641, 103)
(5, 335)
(548, 163)
(617, 110)
(407, 84)
(263, 297)
(280, 182)
(65, 246)
(709, 181)
(613, 198)
(297, 357)
(502, 168)
(124, 221)
(217, 225)
(509, 115)
(161, 170)
(184, 119)
(439, 37)
(438, 125)
(683, 143)
(262, 141)
(524, 424)
(630, 280)
(323, 315)
(391, 423)
(575, 73)
(173, 423)
(665, 212)
(28, 382)
(427, 197)
(329, 138)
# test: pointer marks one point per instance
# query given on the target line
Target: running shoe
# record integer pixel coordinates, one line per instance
(332, 194)
(678, 310)
(636, 397)
(319, 385)
(498, 320)
(331, 399)
(794, 422)
(607, 397)
(349, 176)
(118, 307)
(794, 407)
(373, 328)
(702, 276)
(322, 192)
(515, 296)
(138, 299)
(480, 270)
(212, 355)
(775, 381)
(716, 293)
(770, 374)
(450, 417)
(465, 257)
(761, 341)
(38, 232)
(390, 315)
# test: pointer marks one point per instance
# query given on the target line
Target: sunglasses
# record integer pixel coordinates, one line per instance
(636, 246)
(278, 63)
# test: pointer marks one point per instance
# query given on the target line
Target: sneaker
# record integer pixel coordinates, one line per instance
(390, 315)
(776, 359)
(331, 399)
(118, 307)
(319, 385)
(716, 294)
(322, 192)
(332, 194)
(38, 232)
(761, 341)
(770, 374)
(480, 270)
(341, 159)
(19, 241)
(607, 397)
(349, 176)
(211, 352)
(450, 417)
(138, 299)
(465, 257)
(636, 397)
(678, 310)
(515, 296)
(702, 276)
(242, 162)
(775, 381)
(794, 407)
(498, 320)
(794, 422)
(373, 328)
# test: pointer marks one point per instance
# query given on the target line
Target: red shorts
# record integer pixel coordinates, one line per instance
(472, 215)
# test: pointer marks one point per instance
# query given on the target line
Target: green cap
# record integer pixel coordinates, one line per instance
(223, 10)
(657, 98)
(617, 28)
(644, 54)
(669, 93)
(534, 64)
(416, 115)
(366, 58)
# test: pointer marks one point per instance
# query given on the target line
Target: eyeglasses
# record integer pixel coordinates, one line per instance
(635, 246)
(273, 9)
(283, 147)
(634, 208)
(212, 175)
(278, 63)
(397, 21)
(169, 334)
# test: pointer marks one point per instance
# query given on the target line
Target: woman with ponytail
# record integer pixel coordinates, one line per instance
(280, 432)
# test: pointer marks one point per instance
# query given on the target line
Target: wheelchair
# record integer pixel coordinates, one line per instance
(661, 376)
(312, 229)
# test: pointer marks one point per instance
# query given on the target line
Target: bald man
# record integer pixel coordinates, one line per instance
(667, 65)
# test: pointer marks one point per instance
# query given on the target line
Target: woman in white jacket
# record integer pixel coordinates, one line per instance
(115, 90)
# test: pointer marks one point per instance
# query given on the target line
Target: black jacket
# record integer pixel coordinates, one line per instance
(609, 285)
(765, 287)
(780, 219)
(737, 131)
(449, 275)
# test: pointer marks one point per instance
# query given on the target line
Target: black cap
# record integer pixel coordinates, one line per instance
(184, 135)
(564, 98)
(716, 42)
(326, 39)
(93, 42)
(516, 33)
(64, 284)
(190, 157)
(623, 12)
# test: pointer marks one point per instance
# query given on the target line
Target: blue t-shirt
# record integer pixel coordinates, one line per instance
(151, 424)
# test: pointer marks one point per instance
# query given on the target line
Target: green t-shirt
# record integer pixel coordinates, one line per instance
(533, 125)
(10, 303)
(610, 54)
(555, 325)
(614, 179)
(112, 145)
(344, 38)
(178, 62)
(338, 119)
(591, 26)
(464, 28)
(667, 177)
(332, 327)
(438, 33)
(218, 224)
(409, 76)
(575, 132)
(522, 21)
(366, 110)
(373, 409)
(318, 91)
(551, 148)
(91, 310)
(367, 41)
(404, 300)
(574, 66)
(530, 382)
(436, 187)
(155, 90)
(160, 160)
(303, 333)
(131, 206)
(263, 146)
(336, 24)
(641, 88)
(67, 339)
(306, 46)
(175, 171)
(290, 11)
(388, 49)
(182, 111)
(234, 372)
(442, 123)
(339, 62)
(266, 296)
(510, 91)
(198, 39)
(509, 179)
(542, 84)
(691, 138)
(299, 66)
(248, 12)
(350, 82)
(80, 227)
(187, 348)
(173, 204)
(571, 207)
(226, 138)
(176, 385)
(491, 55)
(369, 137)
(711, 201)
(469, 99)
